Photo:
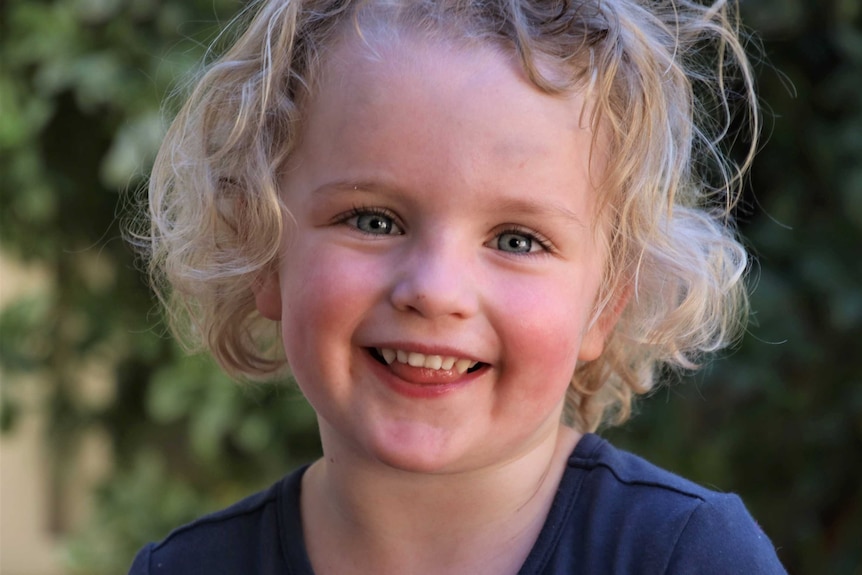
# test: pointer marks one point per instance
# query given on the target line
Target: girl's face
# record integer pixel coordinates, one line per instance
(438, 283)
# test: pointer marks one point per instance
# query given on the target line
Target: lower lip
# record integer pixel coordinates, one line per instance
(419, 390)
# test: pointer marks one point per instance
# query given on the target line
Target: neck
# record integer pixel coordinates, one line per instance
(385, 520)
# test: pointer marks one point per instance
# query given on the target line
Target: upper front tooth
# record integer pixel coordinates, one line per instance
(416, 359)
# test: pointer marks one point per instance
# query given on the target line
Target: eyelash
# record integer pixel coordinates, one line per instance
(358, 211)
(543, 242)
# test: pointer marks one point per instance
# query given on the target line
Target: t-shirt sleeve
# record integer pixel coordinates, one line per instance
(141, 564)
(721, 537)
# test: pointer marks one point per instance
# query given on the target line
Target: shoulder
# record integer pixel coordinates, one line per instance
(720, 536)
(617, 468)
(653, 520)
(243, 538)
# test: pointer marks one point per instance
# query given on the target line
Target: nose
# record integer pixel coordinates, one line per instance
(435, 279)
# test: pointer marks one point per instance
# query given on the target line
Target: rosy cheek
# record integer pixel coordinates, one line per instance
(552, 348)
(543, 336)
(327, 291)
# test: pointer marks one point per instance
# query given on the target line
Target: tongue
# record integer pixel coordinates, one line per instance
(424, 375)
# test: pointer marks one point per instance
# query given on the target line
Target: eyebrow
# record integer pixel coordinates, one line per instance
(538, 209)
(505, 205)
(353, 186)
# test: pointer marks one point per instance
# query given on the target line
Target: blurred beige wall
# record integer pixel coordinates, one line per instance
(37, 510)
(27, 547)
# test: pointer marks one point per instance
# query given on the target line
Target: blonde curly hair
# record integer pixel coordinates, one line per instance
(666, 79)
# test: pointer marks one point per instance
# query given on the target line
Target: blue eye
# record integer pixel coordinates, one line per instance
(374, 224)
(516, 243)
(373, 221)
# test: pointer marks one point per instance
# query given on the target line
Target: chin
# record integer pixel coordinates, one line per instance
(419, 449)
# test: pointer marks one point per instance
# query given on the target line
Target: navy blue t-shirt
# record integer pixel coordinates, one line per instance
(613, 513)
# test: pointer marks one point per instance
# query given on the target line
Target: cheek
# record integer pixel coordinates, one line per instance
(325, 294)
(544, 329)
(312, 297)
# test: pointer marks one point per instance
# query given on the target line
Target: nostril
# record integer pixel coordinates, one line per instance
(434, 289)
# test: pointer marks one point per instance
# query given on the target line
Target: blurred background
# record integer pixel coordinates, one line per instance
(111, 436)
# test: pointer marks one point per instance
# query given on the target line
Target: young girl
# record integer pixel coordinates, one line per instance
(480, 228)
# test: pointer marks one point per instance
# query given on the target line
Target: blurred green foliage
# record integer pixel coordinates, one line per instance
(780, 419)
(81, 85)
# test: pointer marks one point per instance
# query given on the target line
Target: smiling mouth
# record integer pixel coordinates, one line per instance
(388, 356)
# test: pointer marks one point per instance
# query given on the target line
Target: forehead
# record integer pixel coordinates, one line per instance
(367, 75)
